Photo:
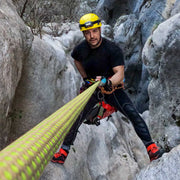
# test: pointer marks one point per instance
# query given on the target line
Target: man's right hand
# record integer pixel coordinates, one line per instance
(87, 82)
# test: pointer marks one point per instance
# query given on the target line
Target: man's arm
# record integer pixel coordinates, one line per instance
(118, 76)
(80, 68)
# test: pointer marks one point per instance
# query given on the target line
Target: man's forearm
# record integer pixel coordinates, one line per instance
(117, 79)
(118, 76)
(80, 68)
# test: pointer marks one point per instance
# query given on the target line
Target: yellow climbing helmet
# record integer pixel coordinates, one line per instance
(89, 21)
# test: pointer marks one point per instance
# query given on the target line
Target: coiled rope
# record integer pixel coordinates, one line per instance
(27, 157)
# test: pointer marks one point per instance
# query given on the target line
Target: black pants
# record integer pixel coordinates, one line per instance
(120, 101)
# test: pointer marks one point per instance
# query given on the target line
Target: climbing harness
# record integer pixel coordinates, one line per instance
(101, 110)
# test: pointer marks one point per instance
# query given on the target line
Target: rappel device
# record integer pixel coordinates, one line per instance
(101, 110)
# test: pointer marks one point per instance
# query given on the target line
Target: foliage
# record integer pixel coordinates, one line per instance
(36, 13)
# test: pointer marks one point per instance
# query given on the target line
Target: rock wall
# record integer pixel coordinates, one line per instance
(15, 42)
(38, 77)
(127, 35)
(43, 87)
(110, 151)
(130, 33)
(161, 57)
(165, 168)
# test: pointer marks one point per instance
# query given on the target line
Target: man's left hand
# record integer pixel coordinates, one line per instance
(106, 83)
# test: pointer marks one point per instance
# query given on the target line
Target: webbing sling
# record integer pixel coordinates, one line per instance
(27, 157)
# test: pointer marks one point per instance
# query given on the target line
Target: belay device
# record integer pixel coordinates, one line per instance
(100, 111)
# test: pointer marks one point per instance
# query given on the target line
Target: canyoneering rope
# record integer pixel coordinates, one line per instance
(27, 157)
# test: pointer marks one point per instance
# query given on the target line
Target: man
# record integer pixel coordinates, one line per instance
(98, 57)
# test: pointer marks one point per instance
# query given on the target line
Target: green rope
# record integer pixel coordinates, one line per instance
(27, 157)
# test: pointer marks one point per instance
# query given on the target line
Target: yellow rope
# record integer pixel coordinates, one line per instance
(27, 157)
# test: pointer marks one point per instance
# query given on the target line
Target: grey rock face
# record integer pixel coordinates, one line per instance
(161, 57)
(110, 151)
(44, 78)
(127, 35)
(130, 33)
(49, 79)
(153, 12)
(111, 10)
(165, 168)
(150, 16)
(172, 7)
(103, 8)
(176, 8)
(43, 87)
(15, 42)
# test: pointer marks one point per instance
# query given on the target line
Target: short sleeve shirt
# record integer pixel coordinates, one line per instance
(98, 61)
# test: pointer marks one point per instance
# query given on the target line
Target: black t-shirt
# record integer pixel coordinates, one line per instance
(98, 61)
